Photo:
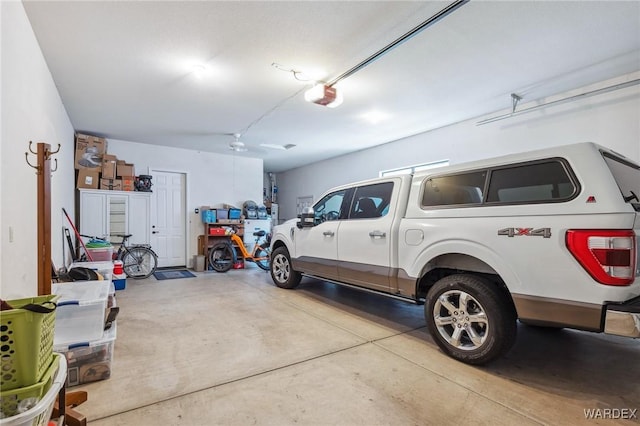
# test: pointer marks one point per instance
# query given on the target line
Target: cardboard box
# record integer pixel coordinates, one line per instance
(124, 169)
(109, 166)
(128, 183)
(88, 178)
(89, 152)
(111, 184)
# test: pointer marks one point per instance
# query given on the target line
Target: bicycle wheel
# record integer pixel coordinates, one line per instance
(221, 257)
(139, 262)
(261, 256)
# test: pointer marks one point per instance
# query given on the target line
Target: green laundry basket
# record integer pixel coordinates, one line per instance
(26, 341)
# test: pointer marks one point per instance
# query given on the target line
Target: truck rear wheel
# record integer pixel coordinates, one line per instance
(470, 319)
(282, 273)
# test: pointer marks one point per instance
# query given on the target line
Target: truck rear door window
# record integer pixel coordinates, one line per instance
(545, 181)
(458, 189)
(371, 201)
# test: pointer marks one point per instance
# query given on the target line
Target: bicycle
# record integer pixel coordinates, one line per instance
(138, 260)
(222, 255)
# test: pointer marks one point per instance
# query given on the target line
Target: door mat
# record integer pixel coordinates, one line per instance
(172, 275)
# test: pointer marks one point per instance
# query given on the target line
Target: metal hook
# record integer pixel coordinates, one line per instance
(514, 101)
(50, 153)
(56, 160)
(26, 157)
(32, 151)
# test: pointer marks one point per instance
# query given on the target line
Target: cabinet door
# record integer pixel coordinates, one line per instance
(139, 216)
(93, 214)
(117, 217)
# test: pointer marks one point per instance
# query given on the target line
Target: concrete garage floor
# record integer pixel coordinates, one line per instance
(233, 349)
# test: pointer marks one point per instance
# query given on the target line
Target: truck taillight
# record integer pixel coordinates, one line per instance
(609, 256)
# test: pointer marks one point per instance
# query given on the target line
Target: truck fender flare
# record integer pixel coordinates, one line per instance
(423, 263)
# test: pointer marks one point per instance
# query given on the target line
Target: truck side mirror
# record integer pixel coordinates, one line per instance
(307, 218)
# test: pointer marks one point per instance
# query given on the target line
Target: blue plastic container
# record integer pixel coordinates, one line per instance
(208, 215)
(235, 213)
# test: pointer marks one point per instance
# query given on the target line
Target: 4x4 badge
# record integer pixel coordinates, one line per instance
(527, 232)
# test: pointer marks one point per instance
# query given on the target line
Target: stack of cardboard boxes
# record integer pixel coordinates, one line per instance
(99, 170)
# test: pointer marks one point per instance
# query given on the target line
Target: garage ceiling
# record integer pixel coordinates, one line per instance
(125, 69)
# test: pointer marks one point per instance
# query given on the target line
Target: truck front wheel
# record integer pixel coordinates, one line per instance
(470, 319)
(282, 273)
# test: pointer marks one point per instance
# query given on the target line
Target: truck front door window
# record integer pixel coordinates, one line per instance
(328, 208)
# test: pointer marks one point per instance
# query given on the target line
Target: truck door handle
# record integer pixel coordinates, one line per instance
(380, 234)
(328, 233)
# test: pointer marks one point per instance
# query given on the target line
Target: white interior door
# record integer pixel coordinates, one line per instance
(168, 210)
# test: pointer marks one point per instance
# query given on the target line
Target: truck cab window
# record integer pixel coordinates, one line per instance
(329, 207)
(371, 201)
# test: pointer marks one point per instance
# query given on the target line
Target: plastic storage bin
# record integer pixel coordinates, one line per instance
(89, 361)
(32, 405)
(99, 254)
(235, 213)
(208, 215)
(104, 268)
(26, 339)
(223, 214)
(81, 310)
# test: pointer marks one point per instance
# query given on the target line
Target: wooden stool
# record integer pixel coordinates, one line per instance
(65, 405)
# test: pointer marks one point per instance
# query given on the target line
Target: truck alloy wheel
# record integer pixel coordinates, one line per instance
(281, 271)
(470, 318)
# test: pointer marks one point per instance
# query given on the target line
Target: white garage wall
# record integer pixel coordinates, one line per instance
(31, 111)
(212, 179)
(611, 119)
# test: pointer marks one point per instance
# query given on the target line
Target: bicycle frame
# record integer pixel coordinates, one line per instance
(243, 249)
(124, 248)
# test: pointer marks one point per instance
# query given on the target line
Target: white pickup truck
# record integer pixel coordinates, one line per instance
(549, 237)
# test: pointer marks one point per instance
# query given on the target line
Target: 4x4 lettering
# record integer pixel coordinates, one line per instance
(528, 232)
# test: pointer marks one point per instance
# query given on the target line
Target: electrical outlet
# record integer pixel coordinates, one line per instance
(197, 210)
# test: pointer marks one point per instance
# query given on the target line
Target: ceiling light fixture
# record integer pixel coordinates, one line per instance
(375, 117)
(199, 70)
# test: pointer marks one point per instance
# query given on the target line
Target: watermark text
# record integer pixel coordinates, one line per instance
(611, 413)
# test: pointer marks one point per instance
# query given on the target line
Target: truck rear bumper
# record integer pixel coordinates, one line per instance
(623, 319)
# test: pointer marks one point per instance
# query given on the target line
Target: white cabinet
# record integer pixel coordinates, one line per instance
(103, 213)
(254, 225)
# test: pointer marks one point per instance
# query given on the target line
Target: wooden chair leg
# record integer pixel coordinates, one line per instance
(65, 405)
